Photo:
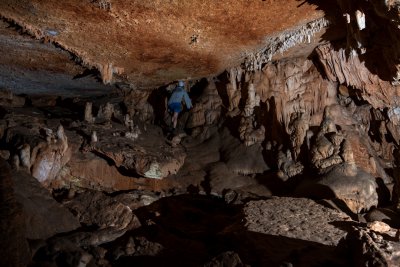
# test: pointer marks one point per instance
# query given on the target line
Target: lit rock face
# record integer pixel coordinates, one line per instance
(36, 148)
(30, 66)
(150, 44)
(139, 159)
(352, 71)
(312, 223)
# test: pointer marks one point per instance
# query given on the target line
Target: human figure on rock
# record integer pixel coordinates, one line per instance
(175, 102)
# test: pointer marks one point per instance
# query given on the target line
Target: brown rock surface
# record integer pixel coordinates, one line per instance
(14, 246)
(149, 156)
(44, 217)
(296, 218)
(153, 43)
(31, 66)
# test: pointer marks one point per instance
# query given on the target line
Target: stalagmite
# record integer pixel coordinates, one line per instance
(93, 138)
(325, 151)
(62, 139)
(128, 122)
(232, 88)
(16, 162)
(25, 156)
(88, 113)
(298, 128)
(253, 100)
(360, 18)
(106, 112)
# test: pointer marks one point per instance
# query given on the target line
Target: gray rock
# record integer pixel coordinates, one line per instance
(295, 218)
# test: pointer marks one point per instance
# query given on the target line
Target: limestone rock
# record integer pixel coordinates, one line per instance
(298, 128)
(5, 154)
(44, 217)
(385, 215)
(228, 258)
(106, 112)
(138, 246)
(137, 106)
(296, 218)
(241, 159)
(93, 172)
(233, 88)
(222, 179)
(378, 226)
(14, 246)
(148, 161)
(372, 249)
(160, 65)
(207, 108)
(353, 71)
(89, 113)
(113, 214)
(293, 87)
(326, 149)
(47, 159)
(287, 166)
(248, 134)
(345, 182)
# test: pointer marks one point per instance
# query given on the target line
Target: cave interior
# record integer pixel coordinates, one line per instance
(287, 157)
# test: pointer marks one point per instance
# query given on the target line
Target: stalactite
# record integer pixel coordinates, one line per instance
(353, 72)
(296, 87)
(283, 42)
(106, 72)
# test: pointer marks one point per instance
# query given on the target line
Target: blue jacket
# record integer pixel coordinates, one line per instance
(178, 94)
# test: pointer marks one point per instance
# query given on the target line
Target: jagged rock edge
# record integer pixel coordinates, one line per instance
(106, 70)
(283, 42)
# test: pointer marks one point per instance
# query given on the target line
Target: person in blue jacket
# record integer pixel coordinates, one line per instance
(175, 102)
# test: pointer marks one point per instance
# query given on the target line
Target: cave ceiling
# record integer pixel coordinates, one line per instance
(67, 45)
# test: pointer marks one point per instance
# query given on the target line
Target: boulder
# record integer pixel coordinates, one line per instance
(221, 178)
(298, 218)
(44, 217)
(241, 159)
(345, 182)
(385, 215)
(148, 156)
